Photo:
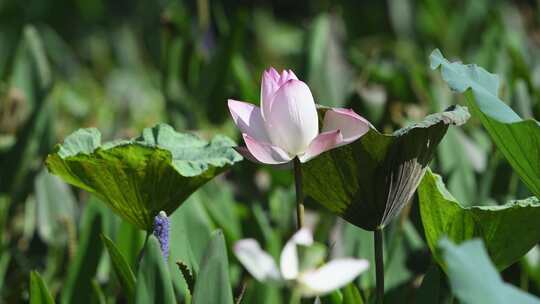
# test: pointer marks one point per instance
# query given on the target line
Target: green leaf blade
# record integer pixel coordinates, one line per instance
(84, 266)
(121, 268)
(517, 138)
(39, 293)
(508, 230)
(154, 283)
(213, 285)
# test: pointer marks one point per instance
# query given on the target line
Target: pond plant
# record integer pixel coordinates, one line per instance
(174, 230)
(338, 159)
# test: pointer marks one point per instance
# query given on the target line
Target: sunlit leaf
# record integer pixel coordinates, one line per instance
(474, 279)
(351, 295)
(129, 241)
(508, 230)
(369, 181)
(191, 231)
(39, 293)
(518, 139)
(153, 279)
(121, 268)
(137, 178)
(213, 285)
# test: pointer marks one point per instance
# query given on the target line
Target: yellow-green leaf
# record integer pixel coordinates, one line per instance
(508, 230)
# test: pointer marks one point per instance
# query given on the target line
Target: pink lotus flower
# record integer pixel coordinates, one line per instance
(287, 126)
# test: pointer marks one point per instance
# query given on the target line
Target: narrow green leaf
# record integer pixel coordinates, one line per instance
(191, 230)
(334, 297)
(83, 268)
(455, 162)
(121, 268)
(213, 285)
(369, 181)
(508, 230)
(5, 258)
(218, 200)
(31, 80)
(97, 296)
(129, 240)
(55, 208)
(474, 279)
(153, 279)
(329, 74)
(517, 138)
(39, 293)
(139, 177)
(351, 295)
(359, 243)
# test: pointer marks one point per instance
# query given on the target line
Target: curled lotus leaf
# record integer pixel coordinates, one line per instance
(370, 180)
(518, 139)
(139, 177)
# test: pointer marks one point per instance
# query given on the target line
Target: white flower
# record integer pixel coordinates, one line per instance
(310, 282)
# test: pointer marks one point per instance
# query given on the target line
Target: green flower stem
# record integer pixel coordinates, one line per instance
(299, 194)
(379, 264)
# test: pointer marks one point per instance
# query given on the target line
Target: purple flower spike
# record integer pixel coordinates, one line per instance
(161, 232)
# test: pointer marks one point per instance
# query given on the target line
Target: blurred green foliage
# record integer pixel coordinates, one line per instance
(123, 65)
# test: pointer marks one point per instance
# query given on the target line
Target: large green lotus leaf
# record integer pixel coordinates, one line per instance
(474, 279)
(508, 230)
(139, 177)
(369, 181)
(518, 139)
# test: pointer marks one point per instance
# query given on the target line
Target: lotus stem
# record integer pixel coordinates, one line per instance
(299, 193)
(379, 264)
